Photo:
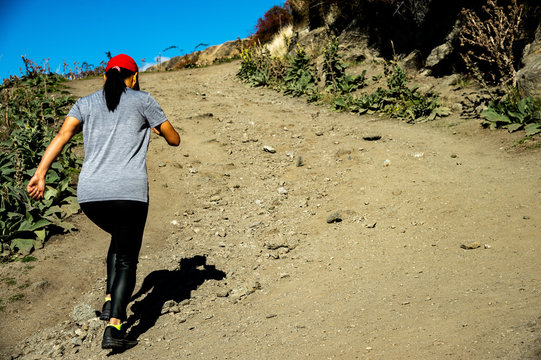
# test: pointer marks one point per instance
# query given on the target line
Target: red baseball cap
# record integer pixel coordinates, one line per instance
(123, 61)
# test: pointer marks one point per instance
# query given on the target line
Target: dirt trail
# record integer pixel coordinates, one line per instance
(262, 273)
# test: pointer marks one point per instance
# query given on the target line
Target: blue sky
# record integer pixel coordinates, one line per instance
(84, 30)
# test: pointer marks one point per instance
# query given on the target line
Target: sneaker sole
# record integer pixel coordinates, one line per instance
(118, 344)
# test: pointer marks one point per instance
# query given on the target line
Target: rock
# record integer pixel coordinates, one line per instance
(370, 225)
(269, 149)
(533, 49)
(282, 191)
(83, 312)
(438, 55)
(471, 246)
(168, 306)
(300, 162)
(413, 62)
(334, 218)
(529, 78)
(222, 293)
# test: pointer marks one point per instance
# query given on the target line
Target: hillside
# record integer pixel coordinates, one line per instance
(359, 237)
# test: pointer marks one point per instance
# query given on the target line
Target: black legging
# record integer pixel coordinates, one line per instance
(125, 221)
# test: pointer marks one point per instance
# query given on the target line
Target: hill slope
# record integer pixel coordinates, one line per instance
(244, 260)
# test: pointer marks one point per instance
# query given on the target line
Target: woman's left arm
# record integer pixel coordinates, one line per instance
(36, 185)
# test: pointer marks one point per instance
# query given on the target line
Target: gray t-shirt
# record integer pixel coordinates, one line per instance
(116, 145)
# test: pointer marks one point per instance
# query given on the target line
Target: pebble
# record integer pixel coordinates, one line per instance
(471, 246)
(386, 162)
(371, 225)
(269, 149)
(282, 191)
(83, 312)
(334, 218)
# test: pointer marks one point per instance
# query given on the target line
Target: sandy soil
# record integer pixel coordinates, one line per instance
(242, 262)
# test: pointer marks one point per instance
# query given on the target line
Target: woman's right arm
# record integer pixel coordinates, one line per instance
(167, 130)
(36, 185)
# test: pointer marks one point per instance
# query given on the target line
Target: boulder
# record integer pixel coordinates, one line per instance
(532, 50)
(438, 55)
(413, 62)
(529, 77)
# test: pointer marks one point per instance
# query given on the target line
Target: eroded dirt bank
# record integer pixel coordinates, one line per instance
(242, 262)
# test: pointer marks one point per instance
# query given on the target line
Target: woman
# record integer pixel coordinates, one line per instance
(113, 184)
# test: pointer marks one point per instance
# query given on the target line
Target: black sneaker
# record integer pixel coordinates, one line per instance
(115, 339)
(106, 311)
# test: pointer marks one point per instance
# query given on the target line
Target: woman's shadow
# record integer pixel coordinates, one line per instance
(165, 285)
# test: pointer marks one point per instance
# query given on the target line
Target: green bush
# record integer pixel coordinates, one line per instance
(514, 113)
(301, 76)
(337, 80)
(32, 107)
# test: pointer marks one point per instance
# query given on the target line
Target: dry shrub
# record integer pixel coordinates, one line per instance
(487, 41)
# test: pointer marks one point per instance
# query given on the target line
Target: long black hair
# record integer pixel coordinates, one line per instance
(114, 86)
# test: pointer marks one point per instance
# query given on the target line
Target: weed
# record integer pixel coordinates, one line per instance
(24, 286)
(487, 41)
(32, 107)
(514, 113)
(301, 76)
(28, 259)
(337, 80)
(9, 281)
(15, 297)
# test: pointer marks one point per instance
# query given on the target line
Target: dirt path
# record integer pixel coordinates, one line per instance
(245, 265)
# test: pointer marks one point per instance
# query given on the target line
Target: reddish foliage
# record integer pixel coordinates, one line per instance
(270, 24)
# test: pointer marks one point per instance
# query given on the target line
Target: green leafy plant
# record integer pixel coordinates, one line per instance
(514, 113)
(301, 76)
(259, 68)
(397, 100)
(337, 80)
(32, 107)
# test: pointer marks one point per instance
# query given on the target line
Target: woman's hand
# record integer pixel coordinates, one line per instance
(36, 187)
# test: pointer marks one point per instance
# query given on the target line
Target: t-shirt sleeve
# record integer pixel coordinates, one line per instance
(76, 111)
(153, 112)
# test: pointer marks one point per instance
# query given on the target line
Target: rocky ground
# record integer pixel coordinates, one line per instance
(280, 228)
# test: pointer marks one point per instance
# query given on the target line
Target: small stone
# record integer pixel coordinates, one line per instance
(83, 312)
(454, 156)
(471, 246)
(370, 225)
(372, 137)
(162, 165)
(215, 198)
(282, 191)
(300, 162)
(334, 218)
(222, 293)
(526, 217)
(269, 149)
(386, 162)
